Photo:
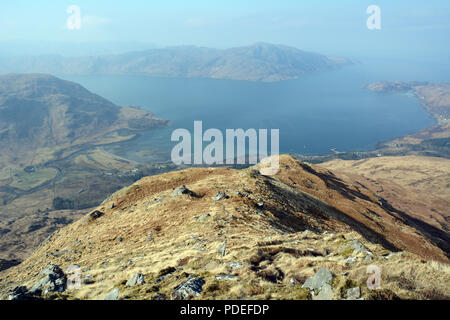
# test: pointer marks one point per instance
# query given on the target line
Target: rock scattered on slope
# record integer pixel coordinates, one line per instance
(18, 293)
(320, 284)
(350, 260)
(317, 281)
(235, 265)
(357, 247)
(227, 277)
(223, 249)
(136, 280)
(182, 190)
(96, 214)
(160, 296)
(88, 279)
(260, 203)
(112, 295)
(54, 280)
(220, 196)
(353, 293)
(189, 289)
(325, 293)
(203, 217)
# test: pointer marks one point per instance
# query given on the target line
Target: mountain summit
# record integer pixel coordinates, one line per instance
(258, 62)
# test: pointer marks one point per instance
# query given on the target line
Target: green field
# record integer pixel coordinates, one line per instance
(28, 180)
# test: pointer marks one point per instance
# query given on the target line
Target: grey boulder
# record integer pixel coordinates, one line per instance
(136, 280)
(182, 190)
(317, 281)
(325, 293)
(220, 196)
(189, 289)
(54, 280)
(112, 295)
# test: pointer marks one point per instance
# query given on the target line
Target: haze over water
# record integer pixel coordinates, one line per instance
(315, 113)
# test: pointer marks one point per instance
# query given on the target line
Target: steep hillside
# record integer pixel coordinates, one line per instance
(238, 234)
(51, 159)
(258, 62)
(41, 111)
(425, 174)
(416, 185)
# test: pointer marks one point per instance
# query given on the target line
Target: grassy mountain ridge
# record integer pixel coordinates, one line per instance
(240, 235)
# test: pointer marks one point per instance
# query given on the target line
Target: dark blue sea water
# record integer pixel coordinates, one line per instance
(314, 114)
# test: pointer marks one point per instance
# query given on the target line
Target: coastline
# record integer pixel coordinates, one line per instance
(430, 141)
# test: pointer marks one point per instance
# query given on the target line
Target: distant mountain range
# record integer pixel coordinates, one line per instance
(258, 62)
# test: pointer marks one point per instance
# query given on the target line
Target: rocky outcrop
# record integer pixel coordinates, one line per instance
(320, 284)
(54, 280)
(191, 288)
(136, 280)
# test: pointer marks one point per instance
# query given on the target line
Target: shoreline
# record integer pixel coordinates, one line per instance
(415, 143)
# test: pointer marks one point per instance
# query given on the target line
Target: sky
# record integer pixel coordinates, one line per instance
(409, 28)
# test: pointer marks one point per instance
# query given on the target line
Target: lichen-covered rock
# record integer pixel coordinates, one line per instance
(357, 247)
(325, 293)
(317, 281)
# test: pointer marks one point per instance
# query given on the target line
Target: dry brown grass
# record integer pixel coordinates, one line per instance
(160, 231)
(425, 174)
(418, 186)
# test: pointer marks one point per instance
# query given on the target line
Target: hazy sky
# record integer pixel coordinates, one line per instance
(419, 29)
